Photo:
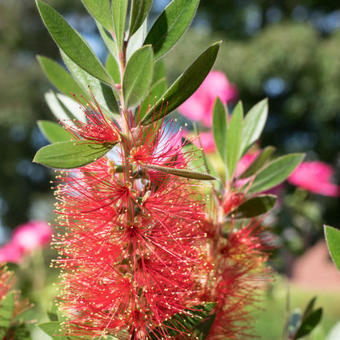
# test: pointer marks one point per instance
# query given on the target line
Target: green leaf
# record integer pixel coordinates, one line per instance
(21, 332)
(276, 172)
(255, 206)
(138, 76)
(101, 92)
(309, 308)
(53, 131)
(234, 140)
(72, 108)
(58, 110)
(6, 310)
(308, 324)
(137, 40)
(139, 12)
(182, 172)
(203, 329)
(185, 85)
(159, 71)
(70, 155)
(71, 42)
(108, 40)
(182, 322)
(119, 11)
(333, 243)
(113, 68)
(254, 123)
(101, 11)
(171, 25)
(59, 77)
(220, 127)
(156, 92)
(53, 329)
(258, 162)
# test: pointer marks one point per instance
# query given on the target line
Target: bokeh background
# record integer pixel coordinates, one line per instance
(286, 50)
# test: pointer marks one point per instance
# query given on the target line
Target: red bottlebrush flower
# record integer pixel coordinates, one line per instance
(130, 249)
(239, 272)
(98, 128)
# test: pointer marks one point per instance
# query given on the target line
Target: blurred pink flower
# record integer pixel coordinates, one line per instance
(315, 177)
(26, 238)
(11, 253)
(199, 106)
(245, 162)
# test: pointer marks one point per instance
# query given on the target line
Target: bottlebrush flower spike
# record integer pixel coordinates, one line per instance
(98, 127)
(132, 248)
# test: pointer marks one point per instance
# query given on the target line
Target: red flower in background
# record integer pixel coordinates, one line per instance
(315, 177)
(199, 107)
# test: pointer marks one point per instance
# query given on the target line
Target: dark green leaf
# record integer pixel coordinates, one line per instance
(139, 12)
(156, 92)
(71, 42)
(6, 310)
(220, 127)
(234, 140)
(253, 124)
(70, 155)
(59, 77)
(101, 11)
(258, 162)
(53, 131)
(138, 76)
(171, 25)
(183, 322)
(276, 172)
(255, 206)
(333, 242)
(203, 329)
(113, 68)
(102, 93)
(21, 332)
(119, 11)
(309, 308)
(185, 85)
(182, 172)
(53, 329)
(307, 325)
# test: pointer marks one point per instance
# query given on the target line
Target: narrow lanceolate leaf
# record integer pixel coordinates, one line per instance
(308, 324)
(119, 11)
(202, 330)
(138, 76)
(59, 77)
(53, 131)
(185, 85)
(58, 110)
(171, 25)
(101, 11)
(234, 140)
(156, 92)
(70, 155)
(182, 172)
(71, 42)
(108, 40)
(113, 68)
(220, 127)
(276, 172)
(159, 71)
(6, 310)
(139, 12)
(255, 206)
(254, 123)
(333, 242)
(136, 41)
(101, 92)
(183, 323)
(258, 162)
